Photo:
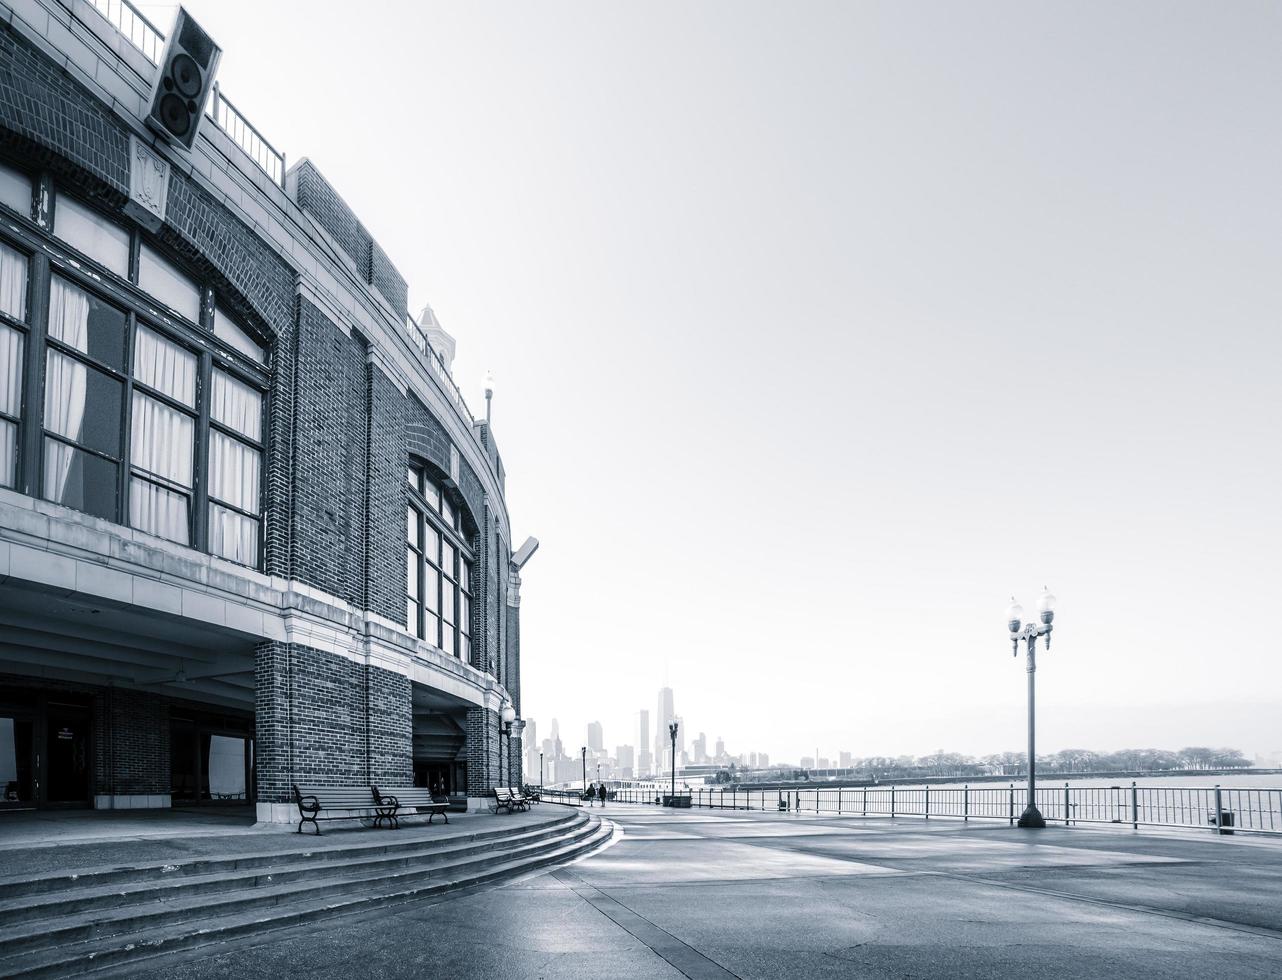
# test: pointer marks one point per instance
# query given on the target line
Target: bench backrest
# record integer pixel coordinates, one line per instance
(502, 793)
(338, 797)
(410, 795)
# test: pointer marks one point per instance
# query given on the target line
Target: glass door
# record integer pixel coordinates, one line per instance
(18, 780)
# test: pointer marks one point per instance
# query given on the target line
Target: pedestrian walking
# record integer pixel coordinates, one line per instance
(591, 794)
(600, 792)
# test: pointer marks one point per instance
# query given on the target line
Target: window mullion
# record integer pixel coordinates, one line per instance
(33, 379)
(200, 453)
(126, 468)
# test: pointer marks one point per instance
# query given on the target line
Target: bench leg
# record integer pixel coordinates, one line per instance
(310, 820)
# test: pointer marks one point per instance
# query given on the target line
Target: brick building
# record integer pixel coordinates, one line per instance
(250, 534)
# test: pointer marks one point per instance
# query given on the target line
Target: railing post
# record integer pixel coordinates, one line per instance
(927, 788)
(838, 801)
(1219, 813)
(1066, 805)
(892, 802)
(966, 803)
(865, 801)
(1012, 804)
(1135, 807)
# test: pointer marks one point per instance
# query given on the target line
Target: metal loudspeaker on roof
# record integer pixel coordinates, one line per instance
(183, 81)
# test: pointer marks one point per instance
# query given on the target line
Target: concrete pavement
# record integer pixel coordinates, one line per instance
(713, 894)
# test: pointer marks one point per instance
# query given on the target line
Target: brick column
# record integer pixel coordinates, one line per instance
(482, 755)
(324, 720)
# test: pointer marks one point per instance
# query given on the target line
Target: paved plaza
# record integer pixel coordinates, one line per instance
(709, 894)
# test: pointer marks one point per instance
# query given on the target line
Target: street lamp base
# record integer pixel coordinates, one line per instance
(1031, 817)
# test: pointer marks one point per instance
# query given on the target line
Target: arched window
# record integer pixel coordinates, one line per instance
(438, 568)
(152, 407)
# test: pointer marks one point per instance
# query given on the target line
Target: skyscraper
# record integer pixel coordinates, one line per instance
(664, 717)
(645, 759)
(530, 740)
(596, 740)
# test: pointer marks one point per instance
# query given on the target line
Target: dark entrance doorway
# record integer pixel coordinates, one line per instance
(67, 754)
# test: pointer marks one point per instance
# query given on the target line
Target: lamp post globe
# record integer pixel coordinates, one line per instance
(508, 715)
(1014, 615)
(1046, 606)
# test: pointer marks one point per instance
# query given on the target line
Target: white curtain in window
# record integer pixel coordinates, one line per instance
(66, 382)
(236, 405)
(233, 472)
(13, 282)
(161, 440)
(69, 314)
(160, 443)
(8, 453)
(10, 401)
(164, 366)
(233, 535)
(233, 479)
(158, 511)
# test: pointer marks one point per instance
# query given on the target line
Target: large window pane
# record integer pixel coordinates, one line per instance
(84, 229)
(163, 365)
(158, 510)
(432, 544)
(236, 405)
(411, 526)
(11, 347)
(167, 285)
(161, 440)
(227, 330)
(80, 480)
(15, 190)
(13, 282)
(232, 535)
(233, 472)
(82, 404)
(81, 320)
(411, 572)
(431, 583)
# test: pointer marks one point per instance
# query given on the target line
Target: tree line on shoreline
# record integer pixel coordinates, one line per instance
(1075, 761)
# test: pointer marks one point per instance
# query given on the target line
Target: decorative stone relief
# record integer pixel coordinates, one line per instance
(148, 185)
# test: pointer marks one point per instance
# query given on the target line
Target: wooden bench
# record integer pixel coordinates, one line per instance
(519, 798)
(354, 802)
(413, 799)
(503, 800)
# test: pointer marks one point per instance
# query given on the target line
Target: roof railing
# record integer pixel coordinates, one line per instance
(133, 24)
(148, 38)
(437, 364)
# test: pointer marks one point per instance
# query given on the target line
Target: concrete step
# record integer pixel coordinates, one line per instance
(260, 891)
(211, 925)
(88, 893)
(303, 848)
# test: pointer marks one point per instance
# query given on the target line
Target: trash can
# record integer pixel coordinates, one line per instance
(1226, 821)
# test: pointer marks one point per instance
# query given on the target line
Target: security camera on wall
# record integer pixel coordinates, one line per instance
(183, 81)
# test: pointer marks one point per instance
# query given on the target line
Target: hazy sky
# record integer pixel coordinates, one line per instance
(820, 329)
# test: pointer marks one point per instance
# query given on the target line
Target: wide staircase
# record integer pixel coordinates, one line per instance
(72, 922)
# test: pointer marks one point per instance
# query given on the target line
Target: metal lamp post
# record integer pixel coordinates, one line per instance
(672, 733)
(540, 770)
(507, 716)
(584, 752)
(1029, 632)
